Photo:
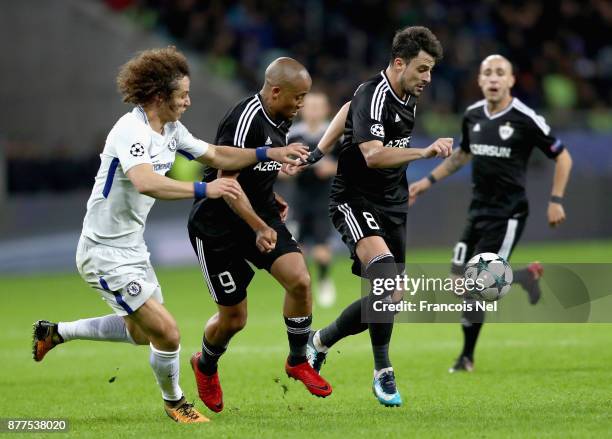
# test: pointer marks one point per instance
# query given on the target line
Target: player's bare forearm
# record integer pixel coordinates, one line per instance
(242, 206)
(563, 168)
(169, 189)
(393, 157)
(556, 212)
(378, 156)
(227, 157)
(458, 159)
(233, 159)
(335, 130)
(147, 182)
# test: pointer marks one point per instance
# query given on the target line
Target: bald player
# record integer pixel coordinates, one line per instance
(498, 136)
(112, 256)
(226, 233)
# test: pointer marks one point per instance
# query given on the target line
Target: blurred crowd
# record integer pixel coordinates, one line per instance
(27, 170)
(562, 50)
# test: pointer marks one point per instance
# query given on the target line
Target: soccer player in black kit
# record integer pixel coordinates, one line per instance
(498, 135)
(369, 196)
(225, 234)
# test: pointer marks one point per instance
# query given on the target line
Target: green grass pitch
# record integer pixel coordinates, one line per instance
(531, 380)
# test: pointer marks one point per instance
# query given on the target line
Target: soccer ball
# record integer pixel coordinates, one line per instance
(492, 274)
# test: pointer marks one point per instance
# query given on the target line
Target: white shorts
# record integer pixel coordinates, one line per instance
(123, 276)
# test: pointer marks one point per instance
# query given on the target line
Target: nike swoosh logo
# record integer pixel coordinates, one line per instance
(318, 387)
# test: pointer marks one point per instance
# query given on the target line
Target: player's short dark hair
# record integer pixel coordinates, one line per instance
(151, 73)
(408, 42)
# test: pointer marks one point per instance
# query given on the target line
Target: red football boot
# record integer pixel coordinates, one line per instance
(209, 388)
(532, 286)
(314, 382)
(536, 270)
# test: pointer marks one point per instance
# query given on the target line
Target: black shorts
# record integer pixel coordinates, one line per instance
(482, 235)
(223, 259)
(358, 220)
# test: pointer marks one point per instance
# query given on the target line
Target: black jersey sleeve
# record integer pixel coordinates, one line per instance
(541, 138)
(464, 144)
(366, 112)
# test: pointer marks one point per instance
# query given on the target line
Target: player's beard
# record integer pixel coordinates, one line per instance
(407, 89)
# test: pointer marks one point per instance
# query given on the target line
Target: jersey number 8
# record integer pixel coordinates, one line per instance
(371, 221)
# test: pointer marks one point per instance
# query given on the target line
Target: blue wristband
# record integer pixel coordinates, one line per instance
(199, 190)
(261, 153)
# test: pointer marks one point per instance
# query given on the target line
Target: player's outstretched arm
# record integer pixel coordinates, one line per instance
(232, 159)
(332, 134)
(556, 213)
(265, 235)
(147, 182)
(458, 159)
(377, 156)
(334, 131)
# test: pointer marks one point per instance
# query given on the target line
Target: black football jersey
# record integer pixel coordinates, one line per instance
(247, 125)
(375, 113)
(500, 145)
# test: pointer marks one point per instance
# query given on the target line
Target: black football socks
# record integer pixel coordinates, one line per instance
(210, 356)
(298, 329)
(349, 322)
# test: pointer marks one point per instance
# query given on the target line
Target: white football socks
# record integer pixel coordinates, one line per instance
(112, 327)
(108, 328)
(165, 366)
(379, 372)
